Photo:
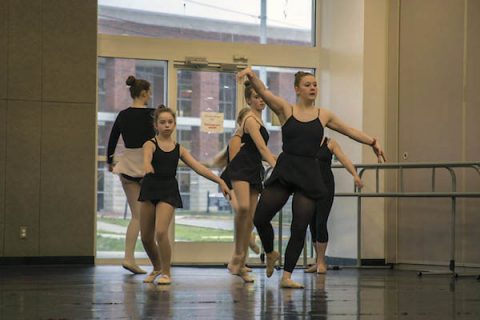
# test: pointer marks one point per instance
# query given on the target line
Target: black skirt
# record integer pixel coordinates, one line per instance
(299, 173)
(160, 189)
(244, 167)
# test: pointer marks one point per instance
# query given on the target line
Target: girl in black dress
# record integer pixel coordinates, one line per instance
(134, 124)
(160, 194)
(297, 171)
(245, 171)
(318, 226)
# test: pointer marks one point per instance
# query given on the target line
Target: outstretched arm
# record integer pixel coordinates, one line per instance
(345, 161)
(202, 170)
(334, 123)
(280, 106)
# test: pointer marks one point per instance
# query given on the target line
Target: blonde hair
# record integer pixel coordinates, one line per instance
(220, 159)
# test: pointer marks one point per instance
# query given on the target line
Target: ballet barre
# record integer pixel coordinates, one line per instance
(400, 169)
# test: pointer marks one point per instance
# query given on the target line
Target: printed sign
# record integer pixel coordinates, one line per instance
(211, 122)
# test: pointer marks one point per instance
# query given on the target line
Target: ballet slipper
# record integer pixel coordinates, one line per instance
(321, 268)
(311, 269)
(246, 277)
(151, 276)
(246, 269)
(290, 284)
(253, 245)
(133, 268)
(164, 280)
(234, 265)
(272, 258)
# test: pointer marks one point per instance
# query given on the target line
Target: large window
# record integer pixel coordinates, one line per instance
(113, 213)
(248, 21)
(179, 32)
(206, 214)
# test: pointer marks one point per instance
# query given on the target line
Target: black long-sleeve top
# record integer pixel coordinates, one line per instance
(135, 125)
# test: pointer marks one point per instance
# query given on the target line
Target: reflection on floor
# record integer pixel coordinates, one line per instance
(109, 292)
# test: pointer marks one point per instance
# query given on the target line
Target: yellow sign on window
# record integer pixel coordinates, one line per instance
(211, 122)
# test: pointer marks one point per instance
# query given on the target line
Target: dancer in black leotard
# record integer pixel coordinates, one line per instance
(318, 226)
(245, 171)
(297, 171)
(223, 159)
(134, 124)
(159, 193)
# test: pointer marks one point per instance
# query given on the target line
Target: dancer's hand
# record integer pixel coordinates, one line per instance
(225, 189)
(358, 182)
(378, 151)
(149, 169)
(245, 72)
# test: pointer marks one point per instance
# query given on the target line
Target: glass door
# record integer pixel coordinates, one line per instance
(203, 229)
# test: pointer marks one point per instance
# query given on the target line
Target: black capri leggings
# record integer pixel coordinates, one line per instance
(273, 198)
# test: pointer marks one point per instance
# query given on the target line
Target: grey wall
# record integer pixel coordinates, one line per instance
(47, 127)
(434, 54)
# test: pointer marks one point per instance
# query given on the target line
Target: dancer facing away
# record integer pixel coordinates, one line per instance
(160, 194)
(318, 225)
(134, 124)
(245, 171)
(297, 171)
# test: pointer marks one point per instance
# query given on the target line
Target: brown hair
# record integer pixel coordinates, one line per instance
(137, 86)
(248, 89)
(299, 76)
(161, 109)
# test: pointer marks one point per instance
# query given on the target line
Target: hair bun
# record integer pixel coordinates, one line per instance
(162, 106)
(299, 73)
(130, 81)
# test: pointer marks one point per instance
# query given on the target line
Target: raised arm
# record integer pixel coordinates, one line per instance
(278, 105)
(334, 123)
(202, 170)
(345, 161)
(252, 127)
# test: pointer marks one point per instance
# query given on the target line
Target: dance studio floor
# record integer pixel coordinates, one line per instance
(109, 292)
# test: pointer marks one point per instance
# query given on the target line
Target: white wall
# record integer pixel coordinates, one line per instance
(352, 82)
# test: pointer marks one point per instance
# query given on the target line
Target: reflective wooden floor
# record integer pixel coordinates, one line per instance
(109, 292)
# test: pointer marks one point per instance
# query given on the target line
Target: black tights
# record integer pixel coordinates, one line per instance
(318, 226)
(273, 198)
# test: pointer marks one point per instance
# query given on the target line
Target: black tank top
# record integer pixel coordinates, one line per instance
(248, 143)
(165, 163)
(302, 138)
